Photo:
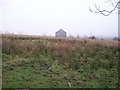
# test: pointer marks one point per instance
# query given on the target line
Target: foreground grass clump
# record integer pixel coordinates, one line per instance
(37, 62)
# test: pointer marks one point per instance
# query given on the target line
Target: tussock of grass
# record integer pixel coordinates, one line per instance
(37, 62)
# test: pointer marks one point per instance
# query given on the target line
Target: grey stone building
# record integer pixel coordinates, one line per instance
(60, 33)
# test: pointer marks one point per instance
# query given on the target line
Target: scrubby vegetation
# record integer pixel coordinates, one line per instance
(38, 62)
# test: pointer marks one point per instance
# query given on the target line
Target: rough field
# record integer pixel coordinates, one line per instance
(48, 62)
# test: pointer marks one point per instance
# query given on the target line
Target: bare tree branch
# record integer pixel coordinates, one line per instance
(103, 12)
(115, 6)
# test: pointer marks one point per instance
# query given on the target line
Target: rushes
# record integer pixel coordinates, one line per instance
(85, 62)
(60, 48)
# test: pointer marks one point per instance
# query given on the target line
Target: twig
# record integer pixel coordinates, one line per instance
(105, 11)
(69, 84)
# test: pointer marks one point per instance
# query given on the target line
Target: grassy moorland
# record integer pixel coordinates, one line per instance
(48, 62)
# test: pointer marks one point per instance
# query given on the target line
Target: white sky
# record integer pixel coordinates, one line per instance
(45, 17)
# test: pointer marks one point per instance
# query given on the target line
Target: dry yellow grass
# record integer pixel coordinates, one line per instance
(87, 58)
(107, 43)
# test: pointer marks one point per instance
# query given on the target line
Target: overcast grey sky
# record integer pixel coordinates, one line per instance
(45, 17)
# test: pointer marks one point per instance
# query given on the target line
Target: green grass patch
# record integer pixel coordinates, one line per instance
(39, 63)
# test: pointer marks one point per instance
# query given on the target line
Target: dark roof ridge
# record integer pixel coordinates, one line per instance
(61, 30)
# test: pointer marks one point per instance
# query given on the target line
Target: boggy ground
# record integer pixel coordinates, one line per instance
(48, 62)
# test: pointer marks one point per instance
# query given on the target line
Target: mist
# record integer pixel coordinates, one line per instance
(45, 17)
